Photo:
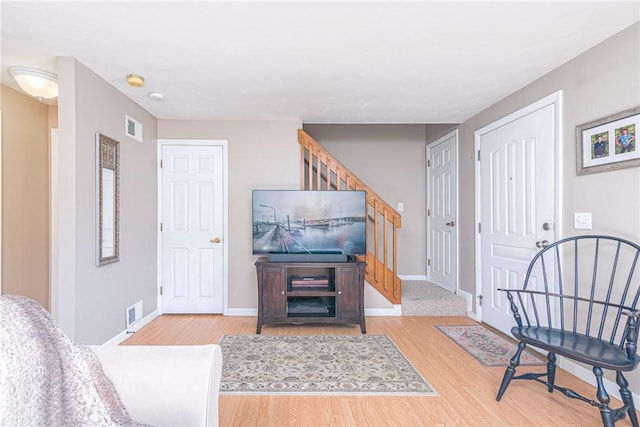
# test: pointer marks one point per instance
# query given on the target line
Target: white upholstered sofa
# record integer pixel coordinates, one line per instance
(165, 385)
(45, 379)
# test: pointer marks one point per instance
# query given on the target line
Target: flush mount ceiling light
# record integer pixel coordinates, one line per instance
(135, 80)
(37, 83)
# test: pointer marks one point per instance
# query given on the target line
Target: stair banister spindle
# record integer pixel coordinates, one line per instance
(376, 237)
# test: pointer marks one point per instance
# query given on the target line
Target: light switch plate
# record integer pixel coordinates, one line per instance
(582, 220)
(400, 207)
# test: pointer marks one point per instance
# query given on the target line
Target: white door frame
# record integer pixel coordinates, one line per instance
(54, 214)
(225, 211)
(453, 134)
(554, 100)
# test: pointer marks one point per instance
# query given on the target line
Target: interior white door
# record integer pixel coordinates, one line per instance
(192, 229)
(517, 208)
(442, 221)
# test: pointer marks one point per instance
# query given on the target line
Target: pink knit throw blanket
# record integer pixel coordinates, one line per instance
(45, 379)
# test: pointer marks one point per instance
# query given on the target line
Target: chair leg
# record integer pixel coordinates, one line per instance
(605, 411)
(551, 371)
(627, 398)
(511, 370)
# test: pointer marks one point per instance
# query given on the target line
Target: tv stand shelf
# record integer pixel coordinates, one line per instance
(310, 292)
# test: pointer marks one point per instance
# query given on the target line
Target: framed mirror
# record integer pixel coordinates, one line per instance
(107, 199)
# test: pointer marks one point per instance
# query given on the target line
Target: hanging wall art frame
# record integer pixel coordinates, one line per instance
(609, 143)
(107, 200)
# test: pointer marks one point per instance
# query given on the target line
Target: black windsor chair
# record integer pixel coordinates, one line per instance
(579, 301)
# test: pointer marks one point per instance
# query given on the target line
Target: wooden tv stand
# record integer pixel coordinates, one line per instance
(310, 292)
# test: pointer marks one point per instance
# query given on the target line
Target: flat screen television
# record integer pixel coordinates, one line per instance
(310, 226)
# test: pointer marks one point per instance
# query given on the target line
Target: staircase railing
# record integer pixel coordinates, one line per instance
(322, 171)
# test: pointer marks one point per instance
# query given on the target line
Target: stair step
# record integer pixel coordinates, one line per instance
(422, 298)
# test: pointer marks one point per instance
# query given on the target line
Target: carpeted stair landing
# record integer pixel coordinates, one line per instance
(421, 298)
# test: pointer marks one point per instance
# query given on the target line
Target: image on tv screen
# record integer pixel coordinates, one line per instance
(309, 222)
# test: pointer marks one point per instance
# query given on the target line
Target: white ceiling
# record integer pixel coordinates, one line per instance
(319, 62)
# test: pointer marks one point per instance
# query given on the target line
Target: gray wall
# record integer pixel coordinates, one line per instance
(261, 155)
(266, 155)
(590, 92)
(593, 87)
(602, 81)
(92, 300)
(390, 160)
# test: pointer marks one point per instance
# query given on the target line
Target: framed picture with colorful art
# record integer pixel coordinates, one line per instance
(609, 143)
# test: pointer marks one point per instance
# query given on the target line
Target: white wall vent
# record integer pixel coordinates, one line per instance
(133, 128)
(133, 313)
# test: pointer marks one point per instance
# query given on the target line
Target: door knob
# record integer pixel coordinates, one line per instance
(542, 244)
(216, 240)
(451, 224)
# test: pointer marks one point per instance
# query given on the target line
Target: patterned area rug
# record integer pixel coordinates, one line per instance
(488, 347)
(343, 364)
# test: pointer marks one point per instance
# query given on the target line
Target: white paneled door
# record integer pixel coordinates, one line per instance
(517, 209)
(443, 216)
(192, 229)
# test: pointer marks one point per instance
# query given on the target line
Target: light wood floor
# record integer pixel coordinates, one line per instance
(466, 389)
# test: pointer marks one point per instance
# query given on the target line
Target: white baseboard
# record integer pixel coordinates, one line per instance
(587, 376)
(132, 329)
(390, 312)
(412, 277)
(473, 315)
(466, 295)
(252, 312)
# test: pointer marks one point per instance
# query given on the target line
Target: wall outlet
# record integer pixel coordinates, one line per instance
(582, 220)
